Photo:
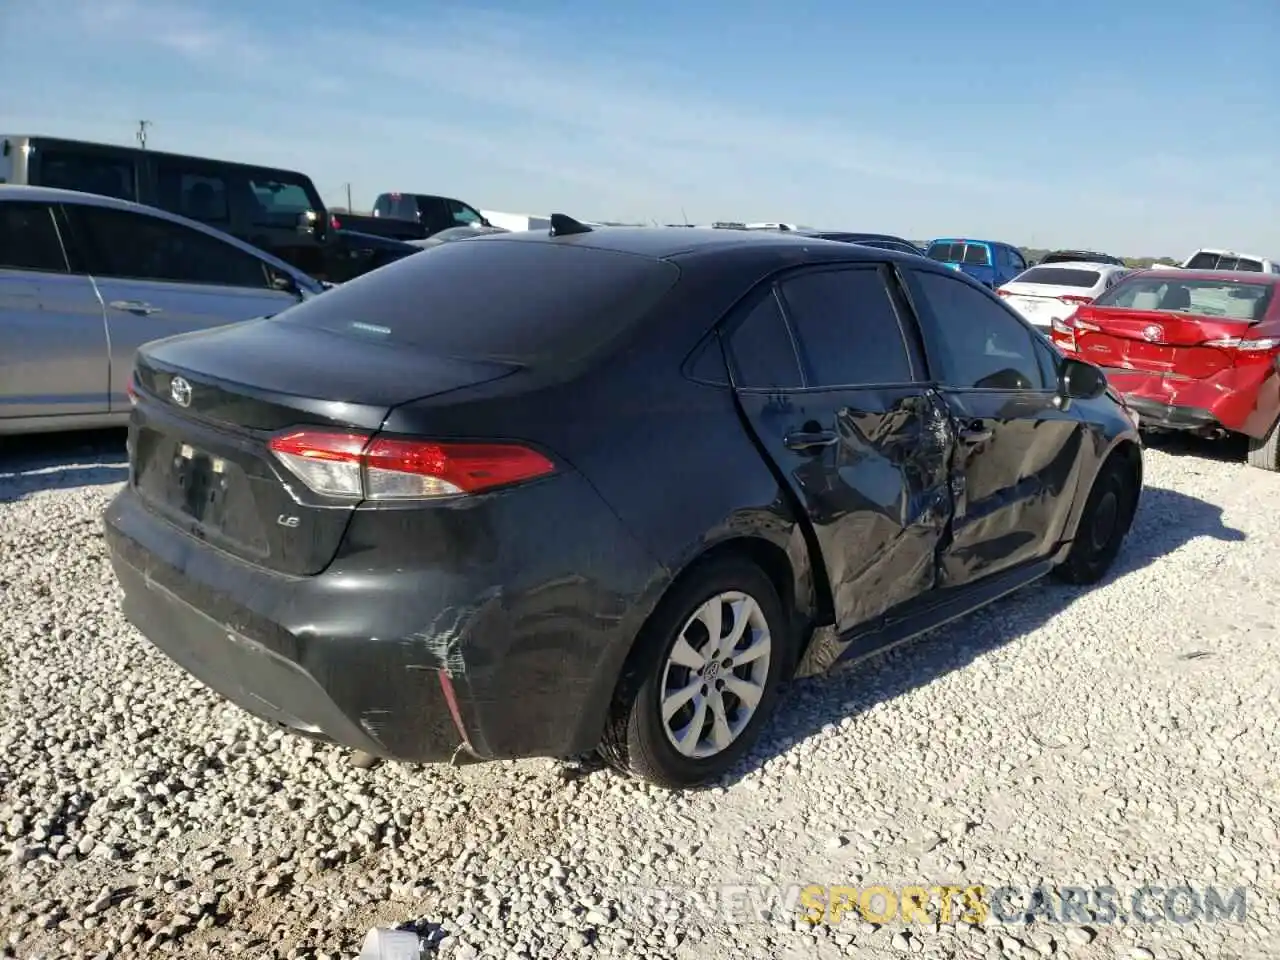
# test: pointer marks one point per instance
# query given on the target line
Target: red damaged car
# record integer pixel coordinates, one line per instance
(1194, 350)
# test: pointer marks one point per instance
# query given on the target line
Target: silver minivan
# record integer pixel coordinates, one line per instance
(86, 279)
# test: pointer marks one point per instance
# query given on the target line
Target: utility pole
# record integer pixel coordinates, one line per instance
(142, 133)
(350, 209)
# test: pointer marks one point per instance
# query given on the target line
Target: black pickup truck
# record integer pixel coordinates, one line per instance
(279, 211)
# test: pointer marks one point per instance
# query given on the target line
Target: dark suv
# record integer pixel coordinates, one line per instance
(277, 211)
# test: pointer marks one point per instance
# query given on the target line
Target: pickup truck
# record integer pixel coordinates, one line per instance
(427, 213)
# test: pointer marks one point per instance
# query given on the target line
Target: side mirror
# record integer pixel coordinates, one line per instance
(285, 284)
(307, 222)
(1079, 380)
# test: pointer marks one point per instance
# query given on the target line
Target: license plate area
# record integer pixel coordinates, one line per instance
(205, 493)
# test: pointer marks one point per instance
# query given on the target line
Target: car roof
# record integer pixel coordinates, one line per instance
(1235, 276)
(665, 243)
(15, 191)
(1222, 252)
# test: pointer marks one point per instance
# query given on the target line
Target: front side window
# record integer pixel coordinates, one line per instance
(846, 328)
(464, 215)
(135, 246)
(279, 201)
(973, 341)
(87, 172)
(29, 239)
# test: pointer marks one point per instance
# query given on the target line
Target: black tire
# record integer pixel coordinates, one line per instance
(1265, 453)
(1104, 523)
(636, 740)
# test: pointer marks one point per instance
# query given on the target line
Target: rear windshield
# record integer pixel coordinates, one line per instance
(493, 298)
(1069, 256)
(397, 206)
(1059, 277)
(1219, 261)
(1228, 299)
(971, 253)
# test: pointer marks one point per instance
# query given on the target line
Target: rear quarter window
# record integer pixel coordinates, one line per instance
(519, 301)
(1060, 277)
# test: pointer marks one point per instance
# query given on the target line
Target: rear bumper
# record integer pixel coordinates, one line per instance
(529, 638)
(1169, 417)
(369, 696)
(1237, 400)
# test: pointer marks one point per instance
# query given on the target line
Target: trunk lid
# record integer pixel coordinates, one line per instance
(208, 403)
(1155, 341)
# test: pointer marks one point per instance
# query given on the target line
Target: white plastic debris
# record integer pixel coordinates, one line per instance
(384, 944)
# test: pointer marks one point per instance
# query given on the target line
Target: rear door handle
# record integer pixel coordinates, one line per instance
(803, 440)
(134, 306)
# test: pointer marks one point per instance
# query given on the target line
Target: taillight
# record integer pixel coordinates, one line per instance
(131, 389)
(1259, 345)
(1075, 298)
(356, 466)
(334, 222)
(1002, 292)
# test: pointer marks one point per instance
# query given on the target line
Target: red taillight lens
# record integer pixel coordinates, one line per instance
(356, 466)
(335, 223)
(1002, 292)
(1075, 298)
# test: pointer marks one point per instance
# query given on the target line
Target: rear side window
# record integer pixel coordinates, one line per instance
(846, 328)
(120, 244)
(88, 172)
(1060, 277)
(525, 301)
(191, 193)
(29, 239)
(946, 252)
(764, 356)
(1251, 266)
(977, 254)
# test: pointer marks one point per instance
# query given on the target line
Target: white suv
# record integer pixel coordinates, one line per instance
(1211, 259)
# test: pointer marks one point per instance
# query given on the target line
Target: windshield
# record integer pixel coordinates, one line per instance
(1059, 277)
(1228, 299)
(959, 252)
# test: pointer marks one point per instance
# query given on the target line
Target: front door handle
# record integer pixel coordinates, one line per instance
(808, 440)
(134, 306)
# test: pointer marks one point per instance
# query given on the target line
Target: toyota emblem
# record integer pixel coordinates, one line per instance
(180, 391)
(1153, 332)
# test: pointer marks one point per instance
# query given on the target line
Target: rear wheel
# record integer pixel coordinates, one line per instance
(1265, 452)
(710, 665)
(1107, 516)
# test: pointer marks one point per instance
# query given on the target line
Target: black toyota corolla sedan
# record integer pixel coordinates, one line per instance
(601, 490)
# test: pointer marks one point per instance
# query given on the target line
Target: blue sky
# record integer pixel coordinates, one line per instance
(1136, 127)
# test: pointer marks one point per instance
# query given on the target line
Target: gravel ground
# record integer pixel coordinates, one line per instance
(1124, 736)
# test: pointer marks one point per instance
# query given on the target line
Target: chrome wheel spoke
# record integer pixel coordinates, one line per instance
(721, 733)
(672, 703)
(692, 734)
(683, 655)
(759, 647)
(748, 693)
